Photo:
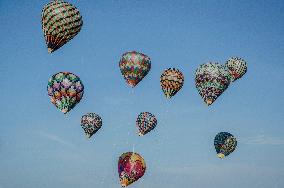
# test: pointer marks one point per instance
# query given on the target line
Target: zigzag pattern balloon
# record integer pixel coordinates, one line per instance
(211, 80)
(131, 167)
(61, 21)
(91, 123)
(65, 90)
(134, 66)
(146, 122)
(237, 67)
(171, 81)
(225, 143)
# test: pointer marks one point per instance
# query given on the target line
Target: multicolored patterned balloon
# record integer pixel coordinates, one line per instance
(237, 67)
(61, 22)
(145, 122)
(65, 90)
(91, 123)
(225, 143)
(131, 167)
(171, 81)
(134, 66)
(211, 80)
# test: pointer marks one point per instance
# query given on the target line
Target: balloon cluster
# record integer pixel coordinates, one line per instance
(212, 79)
(61, 22)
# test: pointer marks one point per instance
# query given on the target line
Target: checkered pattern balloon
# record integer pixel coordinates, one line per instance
(145, 123)
(65, 90)
(237, 67)
(91, 123)
(61, 22)
(171, 81)
(134, 66)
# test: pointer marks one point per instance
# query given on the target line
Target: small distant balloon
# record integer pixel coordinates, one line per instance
(91, 123)
(171, 81)
(65, 90)
(211, 80)
(145, 123)
(225, 143)
(131, 167)
(61, 22)
(237, 67)
(134, 66)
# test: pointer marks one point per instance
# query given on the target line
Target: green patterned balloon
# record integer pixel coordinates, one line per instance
(61, 22)
(225, 143)
(65, 90)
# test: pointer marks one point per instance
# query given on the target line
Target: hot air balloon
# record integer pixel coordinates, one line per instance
(91, 123)
(65, 90)
(237, 67)
(131, 167)
(171, 81)
(61, 22)
(134, 66)
(145, 123)
(225, 143)
(211, 80)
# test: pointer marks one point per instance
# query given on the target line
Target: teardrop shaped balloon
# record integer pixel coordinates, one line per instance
(171, 81)
(211, 80)
(237, 67)
(131, 167)
(91, 123)
(134, 66)
(225, 143)
(61, 22)
(65, 90)
(145, 122)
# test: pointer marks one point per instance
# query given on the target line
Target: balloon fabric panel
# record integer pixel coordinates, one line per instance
(61, 22)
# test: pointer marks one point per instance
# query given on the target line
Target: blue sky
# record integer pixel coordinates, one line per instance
(42, 147)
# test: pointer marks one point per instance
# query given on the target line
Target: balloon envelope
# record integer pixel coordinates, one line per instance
(134, 66)
(237, 67)
(91, 123)
(211, 80)
(61, 22)
(171, 81)
(65, 90)
(145, 123)
(225, 143)
(131, 167)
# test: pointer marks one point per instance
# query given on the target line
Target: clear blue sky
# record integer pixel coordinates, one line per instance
(41, 147)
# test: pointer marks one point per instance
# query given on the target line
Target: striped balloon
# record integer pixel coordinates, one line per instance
(211, 80)
(134, 66)
(145, 123)
(171, 81)
(237, 67)
(225, 143)
(61, 21)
